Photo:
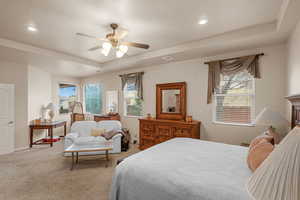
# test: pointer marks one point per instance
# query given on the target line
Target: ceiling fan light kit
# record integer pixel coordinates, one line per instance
(114, 40)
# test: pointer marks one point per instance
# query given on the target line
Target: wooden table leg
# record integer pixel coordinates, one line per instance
(31, 137)
(65, 129)
(72, 161)
(77, 160)
(51, 136)
(107, 158)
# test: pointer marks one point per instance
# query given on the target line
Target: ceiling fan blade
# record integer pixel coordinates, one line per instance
(95, 48)
(138, 45)
(86, 35)
(90, 36)
(121, 33)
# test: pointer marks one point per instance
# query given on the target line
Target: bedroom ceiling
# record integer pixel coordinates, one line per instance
(165, 25)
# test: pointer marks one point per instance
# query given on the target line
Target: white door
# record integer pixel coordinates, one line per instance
(7, 118)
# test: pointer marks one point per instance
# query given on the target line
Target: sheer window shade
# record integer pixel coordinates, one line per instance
(234, 99)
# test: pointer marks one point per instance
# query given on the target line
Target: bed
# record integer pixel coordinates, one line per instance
(183, 169)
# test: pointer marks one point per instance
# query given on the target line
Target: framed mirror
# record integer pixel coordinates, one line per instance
(171, 101)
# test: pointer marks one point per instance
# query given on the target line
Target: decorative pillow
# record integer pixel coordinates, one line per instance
(264, 136)
(258, 153)
(97, 131)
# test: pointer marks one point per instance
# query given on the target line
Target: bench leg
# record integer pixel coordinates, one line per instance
(72, 166)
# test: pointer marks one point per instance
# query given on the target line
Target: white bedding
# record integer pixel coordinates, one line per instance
(183, 169)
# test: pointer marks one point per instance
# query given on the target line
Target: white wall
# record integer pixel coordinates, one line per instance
(12, 73)
(39, 94)
(293, 66)
(293, 73)
(270, 91)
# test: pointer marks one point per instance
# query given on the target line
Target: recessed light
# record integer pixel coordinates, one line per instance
(202, 21)
(32, 28)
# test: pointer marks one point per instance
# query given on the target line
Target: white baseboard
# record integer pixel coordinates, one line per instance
(21, 148)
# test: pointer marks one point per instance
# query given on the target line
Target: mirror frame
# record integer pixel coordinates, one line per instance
(171, 86)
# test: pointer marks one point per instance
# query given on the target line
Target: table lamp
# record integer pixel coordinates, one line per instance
(271, 119)
(277, 178)
(52, 108)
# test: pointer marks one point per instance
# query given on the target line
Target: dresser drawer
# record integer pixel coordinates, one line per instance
(147, 130)
(182, 131)
(163, 133)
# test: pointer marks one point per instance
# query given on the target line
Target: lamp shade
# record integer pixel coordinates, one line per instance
(278, 177)
(267, 117)
(51, 107)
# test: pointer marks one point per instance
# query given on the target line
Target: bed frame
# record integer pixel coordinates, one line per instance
(295, 118)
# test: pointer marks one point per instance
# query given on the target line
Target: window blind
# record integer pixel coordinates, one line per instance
(234, 99)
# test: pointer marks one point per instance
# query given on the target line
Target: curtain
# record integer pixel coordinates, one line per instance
(228, 67)
(136, 79)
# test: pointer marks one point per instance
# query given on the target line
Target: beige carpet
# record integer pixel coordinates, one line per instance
(42, 173)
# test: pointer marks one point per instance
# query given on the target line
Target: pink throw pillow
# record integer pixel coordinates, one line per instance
(258, 153)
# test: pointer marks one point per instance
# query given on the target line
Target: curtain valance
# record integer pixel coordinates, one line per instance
(228, 67)
(136, 79)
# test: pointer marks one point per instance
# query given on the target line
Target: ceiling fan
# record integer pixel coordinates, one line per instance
(114, 40)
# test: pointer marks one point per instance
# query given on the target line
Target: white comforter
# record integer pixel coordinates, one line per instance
(183, 169)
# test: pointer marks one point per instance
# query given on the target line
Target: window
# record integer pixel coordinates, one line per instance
(234, 100)
(93, 98)
(132, 104)
(112, 101)
(67, 96)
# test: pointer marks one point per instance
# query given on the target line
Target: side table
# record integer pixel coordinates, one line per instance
(47, 126)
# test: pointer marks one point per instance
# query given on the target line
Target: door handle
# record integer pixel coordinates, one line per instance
(10, 123)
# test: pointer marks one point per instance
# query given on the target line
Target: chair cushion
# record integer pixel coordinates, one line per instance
(110, 125)
(90, 140)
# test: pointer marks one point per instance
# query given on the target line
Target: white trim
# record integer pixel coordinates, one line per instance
(132, 116)
(21, 149)
(233, 124)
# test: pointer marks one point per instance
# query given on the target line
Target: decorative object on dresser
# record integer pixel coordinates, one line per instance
(155, 131)
(295, 101)
(170, 117)
(48, 126)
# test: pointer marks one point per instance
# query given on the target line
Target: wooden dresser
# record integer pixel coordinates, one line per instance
(155, 131)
